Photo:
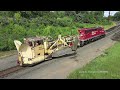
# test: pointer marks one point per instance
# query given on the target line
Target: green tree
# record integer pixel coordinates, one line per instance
(116, 16)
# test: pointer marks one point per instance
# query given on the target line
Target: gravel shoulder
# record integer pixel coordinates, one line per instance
(8, 62)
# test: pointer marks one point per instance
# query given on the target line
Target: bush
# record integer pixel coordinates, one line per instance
(64, 22)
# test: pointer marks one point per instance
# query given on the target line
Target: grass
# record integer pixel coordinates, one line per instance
(7, 53)
(109, 26)
(106, 66)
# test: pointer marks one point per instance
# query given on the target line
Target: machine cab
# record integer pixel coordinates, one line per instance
(33, 42)
(36, 44)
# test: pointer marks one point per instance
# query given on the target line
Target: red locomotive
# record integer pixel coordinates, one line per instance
(87, 35)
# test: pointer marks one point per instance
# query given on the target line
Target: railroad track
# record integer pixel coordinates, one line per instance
(113, 30)
(15, 69)
(6, 72)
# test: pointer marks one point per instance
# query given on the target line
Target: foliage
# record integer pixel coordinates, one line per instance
(116, 17)
(20, 24)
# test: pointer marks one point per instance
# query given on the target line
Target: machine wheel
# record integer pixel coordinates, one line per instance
(104, 35)
(81, 43)
(78, 44)
(89, 41)
(86, 42)
(21, 63)
(50, 57)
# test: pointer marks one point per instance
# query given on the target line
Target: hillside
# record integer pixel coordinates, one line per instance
(15, 25)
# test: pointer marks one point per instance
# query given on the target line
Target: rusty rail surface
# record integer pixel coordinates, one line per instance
(8, 71)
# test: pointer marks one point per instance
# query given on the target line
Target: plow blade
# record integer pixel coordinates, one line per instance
(63, 52)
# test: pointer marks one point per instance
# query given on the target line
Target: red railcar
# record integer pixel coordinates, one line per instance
(87, 35)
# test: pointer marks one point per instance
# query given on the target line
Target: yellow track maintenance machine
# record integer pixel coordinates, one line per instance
(38, 49)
